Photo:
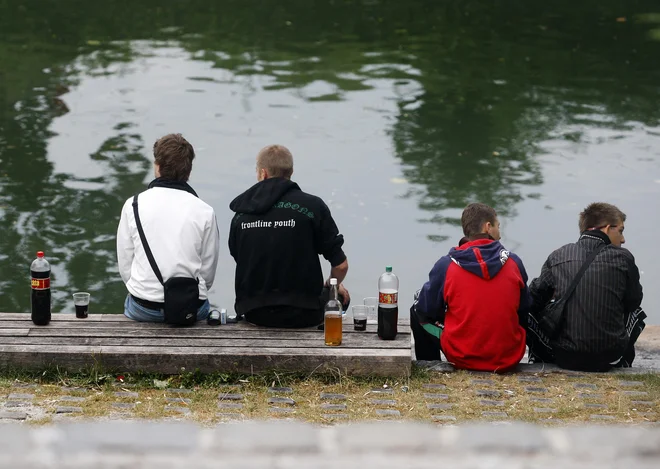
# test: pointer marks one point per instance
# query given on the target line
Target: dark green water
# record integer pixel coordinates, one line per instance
(399, 113)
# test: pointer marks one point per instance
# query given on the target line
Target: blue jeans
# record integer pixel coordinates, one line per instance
(137, 312)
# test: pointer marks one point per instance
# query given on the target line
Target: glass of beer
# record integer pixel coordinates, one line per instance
(359, 317)
(81, 302)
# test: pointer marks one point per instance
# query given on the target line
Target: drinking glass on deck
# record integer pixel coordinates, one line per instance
(81, 302)
(359, 317)
(372, 309)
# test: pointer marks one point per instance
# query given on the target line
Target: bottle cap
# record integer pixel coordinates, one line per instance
(333, 281)
(40, 254)
(388, 268)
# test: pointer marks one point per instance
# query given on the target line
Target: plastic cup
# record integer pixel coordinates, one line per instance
(81, 302)
(372, 309)
(359, 317)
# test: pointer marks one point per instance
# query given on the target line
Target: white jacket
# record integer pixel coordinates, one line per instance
(182, 233)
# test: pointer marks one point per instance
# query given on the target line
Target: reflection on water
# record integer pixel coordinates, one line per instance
(399, 114)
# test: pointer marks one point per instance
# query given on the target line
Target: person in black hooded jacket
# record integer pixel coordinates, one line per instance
(276, 237)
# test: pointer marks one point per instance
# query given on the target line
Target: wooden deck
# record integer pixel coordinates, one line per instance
(116, 343)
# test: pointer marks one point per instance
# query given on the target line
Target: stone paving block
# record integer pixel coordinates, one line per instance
(434, 386)
(595, 406)
(178, 391)
(126, 394)
(332, 396)
(443, 418)
(24, 385)
(492, 415)
(382, 391)
(584, 386)
(179, 400)
(439, 406)
(485, 382)
(71, 399)
(124, 405)
(382, 401)
(542, 400)
(227, 396)
(536, 389)
(529, 379)
(230, 405)
(68, 410)
(584, 395)
(335, 416)
(333, 406)
(601, 417)
(281, 400)
(491, 403)
(281, 410)
(487, 393)
(13, 404)
(544, 410)
(437, 397)
(123, 385)
(281, 390)
(229, 415)
(13, 415)
(388, 413)
(74, 389)
(630, 384)
(180, 410)
(634, 393)
(17, 396)
(646, 403)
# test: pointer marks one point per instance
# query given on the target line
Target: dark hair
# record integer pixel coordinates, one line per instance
(599, 215)
(174, 156)
(277, 160)
(474, 216)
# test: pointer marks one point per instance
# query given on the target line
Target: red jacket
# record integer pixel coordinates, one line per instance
(479, 292)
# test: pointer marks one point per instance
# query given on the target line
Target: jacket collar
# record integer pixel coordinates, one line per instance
(595, 234)
(169, 184)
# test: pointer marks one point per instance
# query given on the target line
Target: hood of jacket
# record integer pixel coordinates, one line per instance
(482, 257)
(262, 196)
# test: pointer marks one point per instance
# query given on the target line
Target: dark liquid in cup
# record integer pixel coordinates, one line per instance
(360, 324)
(81, 311)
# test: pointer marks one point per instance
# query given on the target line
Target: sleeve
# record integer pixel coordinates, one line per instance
(210, 251)
(125, 247)
(327, 238)
(525, 297)
(632, 298)
(233, 234)
(430, 305)
(542, 289)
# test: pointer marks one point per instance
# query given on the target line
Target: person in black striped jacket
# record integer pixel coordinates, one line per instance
(603, 318)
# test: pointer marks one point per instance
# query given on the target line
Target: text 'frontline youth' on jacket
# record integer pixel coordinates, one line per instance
(479, 292)
(276, 237)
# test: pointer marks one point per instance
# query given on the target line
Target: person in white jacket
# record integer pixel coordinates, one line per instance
(180, 229)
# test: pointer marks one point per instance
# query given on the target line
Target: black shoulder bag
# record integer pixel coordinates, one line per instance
(181, 293)
(554, 312)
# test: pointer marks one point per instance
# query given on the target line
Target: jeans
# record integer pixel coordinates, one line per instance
(137, 312)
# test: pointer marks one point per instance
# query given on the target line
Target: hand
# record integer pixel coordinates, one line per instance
(343, 292)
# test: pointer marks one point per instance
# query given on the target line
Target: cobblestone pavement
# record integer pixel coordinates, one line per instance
(290, 444)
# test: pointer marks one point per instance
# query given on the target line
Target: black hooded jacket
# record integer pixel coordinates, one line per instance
(276, 237)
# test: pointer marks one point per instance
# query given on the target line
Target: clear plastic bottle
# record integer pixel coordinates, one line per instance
(332, 316)
(388, 304)
(40, 300)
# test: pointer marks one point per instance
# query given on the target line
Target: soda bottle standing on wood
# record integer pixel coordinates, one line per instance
(388, 304)
(332, 316)
(40, 271)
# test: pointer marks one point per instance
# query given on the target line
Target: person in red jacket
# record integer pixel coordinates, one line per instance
(476, 300)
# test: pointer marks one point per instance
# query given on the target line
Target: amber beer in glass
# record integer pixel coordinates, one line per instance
(332, 316)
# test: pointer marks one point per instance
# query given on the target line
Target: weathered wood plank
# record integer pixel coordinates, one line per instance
(350, 342)
(14, 332)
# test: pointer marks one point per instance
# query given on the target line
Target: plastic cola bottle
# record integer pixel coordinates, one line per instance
(40, 272)
(388, 304)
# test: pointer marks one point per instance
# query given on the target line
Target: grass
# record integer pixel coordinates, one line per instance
(408, 394)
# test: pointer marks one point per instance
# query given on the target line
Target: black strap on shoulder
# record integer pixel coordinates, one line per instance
(590, 258)
(143, 238)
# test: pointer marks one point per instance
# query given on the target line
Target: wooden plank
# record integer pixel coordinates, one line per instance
(14, 332)
(351, 342)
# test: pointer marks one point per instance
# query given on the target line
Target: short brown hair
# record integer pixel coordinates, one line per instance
(174, 156)
(277, 160)
(474, 216)
(599, 215)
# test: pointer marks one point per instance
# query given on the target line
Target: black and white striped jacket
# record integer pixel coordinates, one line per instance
(595, 316)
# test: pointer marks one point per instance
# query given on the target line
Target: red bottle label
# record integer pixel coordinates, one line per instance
(388, 298)
(41, 283)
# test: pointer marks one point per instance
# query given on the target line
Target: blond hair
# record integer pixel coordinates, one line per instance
(277, 160)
